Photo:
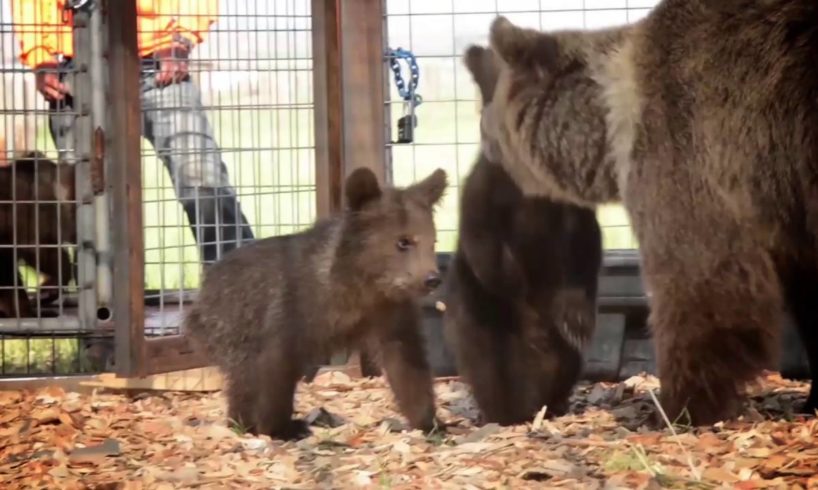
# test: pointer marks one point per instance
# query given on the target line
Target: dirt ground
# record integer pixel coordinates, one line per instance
(52, 439)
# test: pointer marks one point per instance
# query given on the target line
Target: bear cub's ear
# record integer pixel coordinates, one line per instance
(521, 47)
(484, 70)
(361, 188)
(429, 190)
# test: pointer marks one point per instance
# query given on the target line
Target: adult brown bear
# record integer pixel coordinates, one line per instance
(703, 119)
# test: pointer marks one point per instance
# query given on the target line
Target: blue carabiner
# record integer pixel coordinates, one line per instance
(407, 94)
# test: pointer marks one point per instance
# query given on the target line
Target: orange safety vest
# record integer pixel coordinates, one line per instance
(43, 27)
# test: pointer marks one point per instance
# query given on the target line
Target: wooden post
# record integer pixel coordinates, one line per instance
(125, 186)
(349, 94)
(363, 76)
(328, 112)
(348, 80)
(362, 82)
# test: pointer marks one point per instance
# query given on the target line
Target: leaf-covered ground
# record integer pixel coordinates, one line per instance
(51, 439)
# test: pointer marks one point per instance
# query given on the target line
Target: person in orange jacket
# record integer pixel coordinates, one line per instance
(174, 120)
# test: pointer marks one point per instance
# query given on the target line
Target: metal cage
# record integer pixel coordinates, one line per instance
(253, 74)
(284, 98)
(53, 218)
(437, 33)
(243, 167)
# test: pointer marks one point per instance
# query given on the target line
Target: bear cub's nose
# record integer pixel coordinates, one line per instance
(433, 280)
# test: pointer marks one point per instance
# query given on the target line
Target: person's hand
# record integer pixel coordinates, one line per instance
(173, 65)
(48, 82)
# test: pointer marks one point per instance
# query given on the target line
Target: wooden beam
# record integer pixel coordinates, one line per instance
(363, 77)
(203, 379)
(67, 383)
(172, 353)
(328, 112)
(349, 93)
(123, 161)
(199, 379)
(363, 96)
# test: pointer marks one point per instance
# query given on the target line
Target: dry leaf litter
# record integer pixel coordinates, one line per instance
(52, 439)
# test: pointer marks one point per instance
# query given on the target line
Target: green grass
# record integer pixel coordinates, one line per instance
(24, 357)
(285, 181)
(440, 124)
(276, 190)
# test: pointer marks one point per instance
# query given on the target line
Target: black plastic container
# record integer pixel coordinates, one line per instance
(621, 346)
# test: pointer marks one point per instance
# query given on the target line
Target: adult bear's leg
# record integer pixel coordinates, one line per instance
(800, 283)
(715, 318)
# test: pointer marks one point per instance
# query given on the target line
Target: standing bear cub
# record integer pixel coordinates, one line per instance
(521, 291)
(269, 311)
(702, 118)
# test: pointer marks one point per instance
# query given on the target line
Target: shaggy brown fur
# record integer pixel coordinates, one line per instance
(30, 189)
(702, 119)
(521, 291)
(270, 311)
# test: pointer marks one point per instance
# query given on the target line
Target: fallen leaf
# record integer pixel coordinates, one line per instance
(401, 447)
(539, 418)
(646, 439)
(720, 475)
(320, 417)
(217, 432)
(96, 453)
(66, 419)
(253, 444)
(8, 414)
(597, 395)
(59, 472)
(558, 468)
(51, 392)
(156, 429)
(759, 452)
(188, 445)
(481, 433)
(46, 415)
(12, 429)
(391, 425)
(363, 478)
(10, 397)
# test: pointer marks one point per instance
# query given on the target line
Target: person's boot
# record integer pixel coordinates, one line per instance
(211, 210)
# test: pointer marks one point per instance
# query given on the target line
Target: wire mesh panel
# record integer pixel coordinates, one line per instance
(447, 134)
(227, 153)
(42, 292)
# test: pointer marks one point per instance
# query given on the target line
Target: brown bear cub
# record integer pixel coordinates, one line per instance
(271, 310)
(701, 118)
(521, 290)
(38, 219)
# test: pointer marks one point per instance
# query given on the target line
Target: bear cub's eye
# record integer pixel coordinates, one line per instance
(404, 243)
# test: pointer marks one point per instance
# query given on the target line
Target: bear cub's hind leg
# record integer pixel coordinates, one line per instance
(278, 374)
(241, 396)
